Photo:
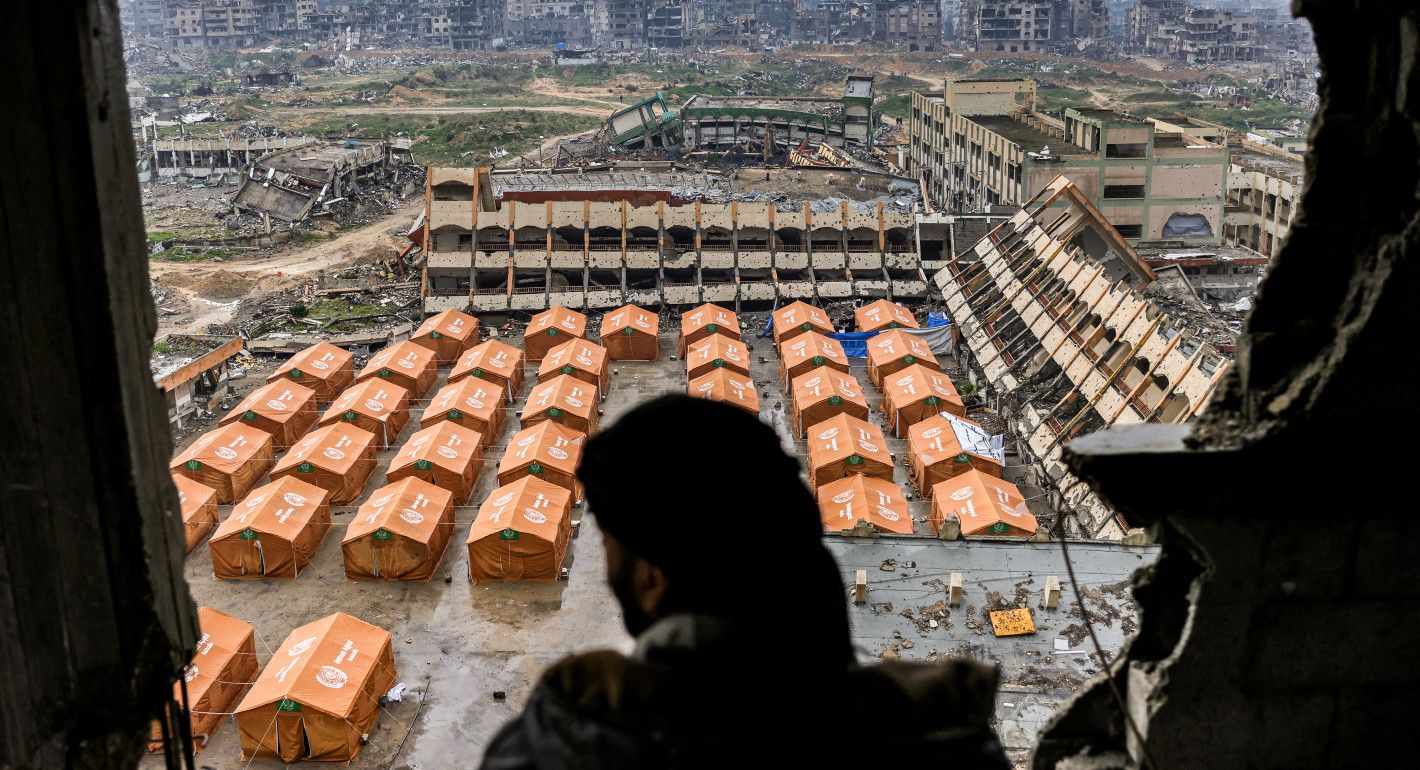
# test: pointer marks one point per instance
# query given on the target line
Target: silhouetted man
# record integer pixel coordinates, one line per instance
(714, 550)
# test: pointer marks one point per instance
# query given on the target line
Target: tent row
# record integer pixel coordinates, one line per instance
(628, 333)
(317, 698)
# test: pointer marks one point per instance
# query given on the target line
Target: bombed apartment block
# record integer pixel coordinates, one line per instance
(1055, 321)
(213, 160)
(982, 143)
(289, 185)
(754, 122)
(660, 234)
(646, 124)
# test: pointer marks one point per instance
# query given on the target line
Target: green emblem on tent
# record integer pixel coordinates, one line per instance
(961, 458)
(807, 327)
(385, 372)
(931, 401)
(248, 415)
(435, 336)
(817, 360)
(552, 332)
(455, 414)
(248, 534)
(286, 704)
(478, 373)
(193, 465)
(383, 534)
(854, 460)
(835, 401)
(999, 528)
(422, 465)
(509, 534)
(567, 369)
(306, 468)
(909, 360)
(350, 415)
(892, 324)
(712, 328)
(719, 363)
(554, 412)
(535, 469)
(628, 331)
(297, 374)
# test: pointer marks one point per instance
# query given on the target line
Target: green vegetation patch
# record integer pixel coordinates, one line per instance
(459, 139)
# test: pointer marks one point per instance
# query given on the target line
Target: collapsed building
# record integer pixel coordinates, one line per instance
(219, 159)
(289, 185)
(663, 234)
(1055, 324)
(710, 122)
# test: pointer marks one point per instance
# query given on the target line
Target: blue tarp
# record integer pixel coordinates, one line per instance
(855, 344)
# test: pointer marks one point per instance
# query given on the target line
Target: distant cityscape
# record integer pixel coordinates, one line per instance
(1192, 33)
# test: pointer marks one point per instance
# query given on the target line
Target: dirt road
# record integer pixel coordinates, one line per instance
(208, 292)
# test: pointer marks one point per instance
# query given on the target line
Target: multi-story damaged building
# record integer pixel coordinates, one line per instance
(212, 23)
(1057, 325)
(462, 25)
(1152, 26)
(1193, 35)
(1023, 26)
(917, 24)
(665, 235)
(982, 143)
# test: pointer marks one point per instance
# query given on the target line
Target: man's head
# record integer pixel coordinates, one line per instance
(689, 493)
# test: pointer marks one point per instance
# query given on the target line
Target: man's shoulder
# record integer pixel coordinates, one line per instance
(604, 679)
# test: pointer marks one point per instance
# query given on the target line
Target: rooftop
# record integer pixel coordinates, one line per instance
(821, 105)
(1109, 116)
(1028, 137)
(1244, 154)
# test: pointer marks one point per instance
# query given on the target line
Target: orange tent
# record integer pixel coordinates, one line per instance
(222, 665)
(891, 352)
(337, 458)
(822, 393)
(798, 317)
(521, 532)
(274, 532)
(842, 446)
(230, 459)
(982, 504)
(629, 334)
(547, 450)
(470, 402)
(495, 362)
(319, 696)
(551, 328)
(322, 367)
(407, 365)
(582, 359)
(282, 408)
(845, 502)
(943, 446)
(916, 393)
(704, 321)
(882, 314)
(810, 350)
(563, 399)
(716, 352)
(198, 503)
(400, 533)
(378, 406)
(444, 454)
(448, 334)
(728, 386)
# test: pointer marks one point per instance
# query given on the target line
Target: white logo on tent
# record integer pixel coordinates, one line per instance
(412, 516)
(868, 446)
(447, 452)
(292, 498)
(301, 646)
(189, 673)
(828, 434)
(707, 387)
(255, 500)
(931, 433)
(557, 453)
(573, 401)
(382, 501)
(504, 500)
(888, 513)
(526, 440)
(277, 405)
(473, 402)
(334, 454)
(319, 365)
(374, 406)
(225, 453)
(534, 516)
(963, 493)
(332, 677)
(843, 497)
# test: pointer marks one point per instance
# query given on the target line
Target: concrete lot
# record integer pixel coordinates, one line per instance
(456, 644)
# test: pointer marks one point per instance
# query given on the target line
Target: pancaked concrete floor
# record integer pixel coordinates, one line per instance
(458, 644)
